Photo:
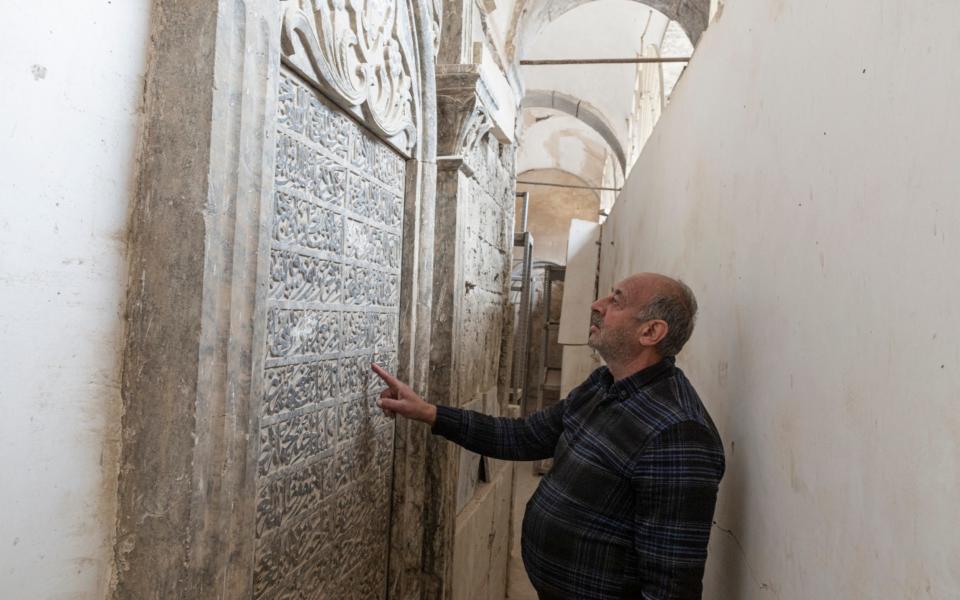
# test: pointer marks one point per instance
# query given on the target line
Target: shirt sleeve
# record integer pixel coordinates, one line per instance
(532, 438)
(675, 483)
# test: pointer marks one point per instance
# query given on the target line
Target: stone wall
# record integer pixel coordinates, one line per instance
(281, 242)
(481, 536)
(487, 216)
(475, 212)
(270, 268)
(481, 550)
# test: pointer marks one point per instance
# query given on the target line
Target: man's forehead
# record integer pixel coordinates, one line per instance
(630, 284)
(640, 286)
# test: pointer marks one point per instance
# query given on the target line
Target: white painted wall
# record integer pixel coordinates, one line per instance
(71, 75)
(560, 141)
(807, 189)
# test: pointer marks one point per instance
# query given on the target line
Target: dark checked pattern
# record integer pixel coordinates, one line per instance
(626, 510)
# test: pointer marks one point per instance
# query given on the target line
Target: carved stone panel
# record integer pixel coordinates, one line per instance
(325, 451)
(362, 54)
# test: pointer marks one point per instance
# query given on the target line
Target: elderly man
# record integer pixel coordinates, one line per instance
(626, 510)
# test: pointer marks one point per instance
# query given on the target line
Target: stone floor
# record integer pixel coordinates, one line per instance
(518, 585)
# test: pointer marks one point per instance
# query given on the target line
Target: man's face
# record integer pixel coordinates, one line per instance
(613, 324)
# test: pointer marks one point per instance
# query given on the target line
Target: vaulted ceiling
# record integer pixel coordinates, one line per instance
(584, 119)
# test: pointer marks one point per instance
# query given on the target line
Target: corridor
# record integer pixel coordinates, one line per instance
(218, 215)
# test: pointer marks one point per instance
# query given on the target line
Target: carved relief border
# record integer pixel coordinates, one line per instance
(360, 53)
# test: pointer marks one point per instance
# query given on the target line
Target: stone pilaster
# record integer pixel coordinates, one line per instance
(474, 219)
(185, 499)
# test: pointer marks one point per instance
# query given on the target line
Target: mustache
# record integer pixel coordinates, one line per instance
(595, 318)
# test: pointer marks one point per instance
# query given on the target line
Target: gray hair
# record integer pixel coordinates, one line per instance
(679, 309)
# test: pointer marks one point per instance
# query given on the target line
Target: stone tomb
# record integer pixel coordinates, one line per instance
(325, 450)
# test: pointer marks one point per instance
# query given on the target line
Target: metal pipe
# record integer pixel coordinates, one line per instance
(525, 211)
(571, 186)
(640, 60)
(522, 326)
(528, 325)
(542, 366)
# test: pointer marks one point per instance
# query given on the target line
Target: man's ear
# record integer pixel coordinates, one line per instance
(652, 332)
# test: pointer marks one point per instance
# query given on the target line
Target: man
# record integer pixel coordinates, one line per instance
(626, 510)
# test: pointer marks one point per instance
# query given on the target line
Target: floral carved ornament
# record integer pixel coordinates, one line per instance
(355, 51)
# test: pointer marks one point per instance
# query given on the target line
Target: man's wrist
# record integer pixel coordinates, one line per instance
(429, 414)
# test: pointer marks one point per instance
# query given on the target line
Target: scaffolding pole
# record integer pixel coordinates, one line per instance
(640, 60)
(570, 186)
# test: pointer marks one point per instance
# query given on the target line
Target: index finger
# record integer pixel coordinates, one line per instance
(387, 378)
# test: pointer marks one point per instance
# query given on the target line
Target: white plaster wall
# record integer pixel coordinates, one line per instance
(808, 192)
(496, 15)
(560, 141)
(71, 75)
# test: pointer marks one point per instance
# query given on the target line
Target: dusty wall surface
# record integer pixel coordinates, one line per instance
(481, 550)
(475, 212)
(474, 231)
(551, 209)
(811, 204)
(266, 261)
(481, 536)
(487, 216)
(69, 135)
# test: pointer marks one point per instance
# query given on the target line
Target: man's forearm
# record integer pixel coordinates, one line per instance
(498, 437)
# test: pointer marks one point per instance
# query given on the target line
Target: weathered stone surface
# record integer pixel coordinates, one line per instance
(325, 453)
(473, 243)
(183, 485)
(266, 260)
(360, 54)
(411, 457)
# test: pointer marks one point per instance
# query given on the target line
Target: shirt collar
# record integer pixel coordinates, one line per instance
(637, 381)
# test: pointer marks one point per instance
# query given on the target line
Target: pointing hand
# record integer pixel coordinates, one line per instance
(400, 399)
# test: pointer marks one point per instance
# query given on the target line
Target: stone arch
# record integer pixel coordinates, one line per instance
(565, 142)
(693, 16)
(583, 111)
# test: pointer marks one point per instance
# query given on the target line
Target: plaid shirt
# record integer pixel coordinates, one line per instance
(627, 508)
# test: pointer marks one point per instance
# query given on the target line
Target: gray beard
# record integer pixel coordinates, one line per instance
(610, 350)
